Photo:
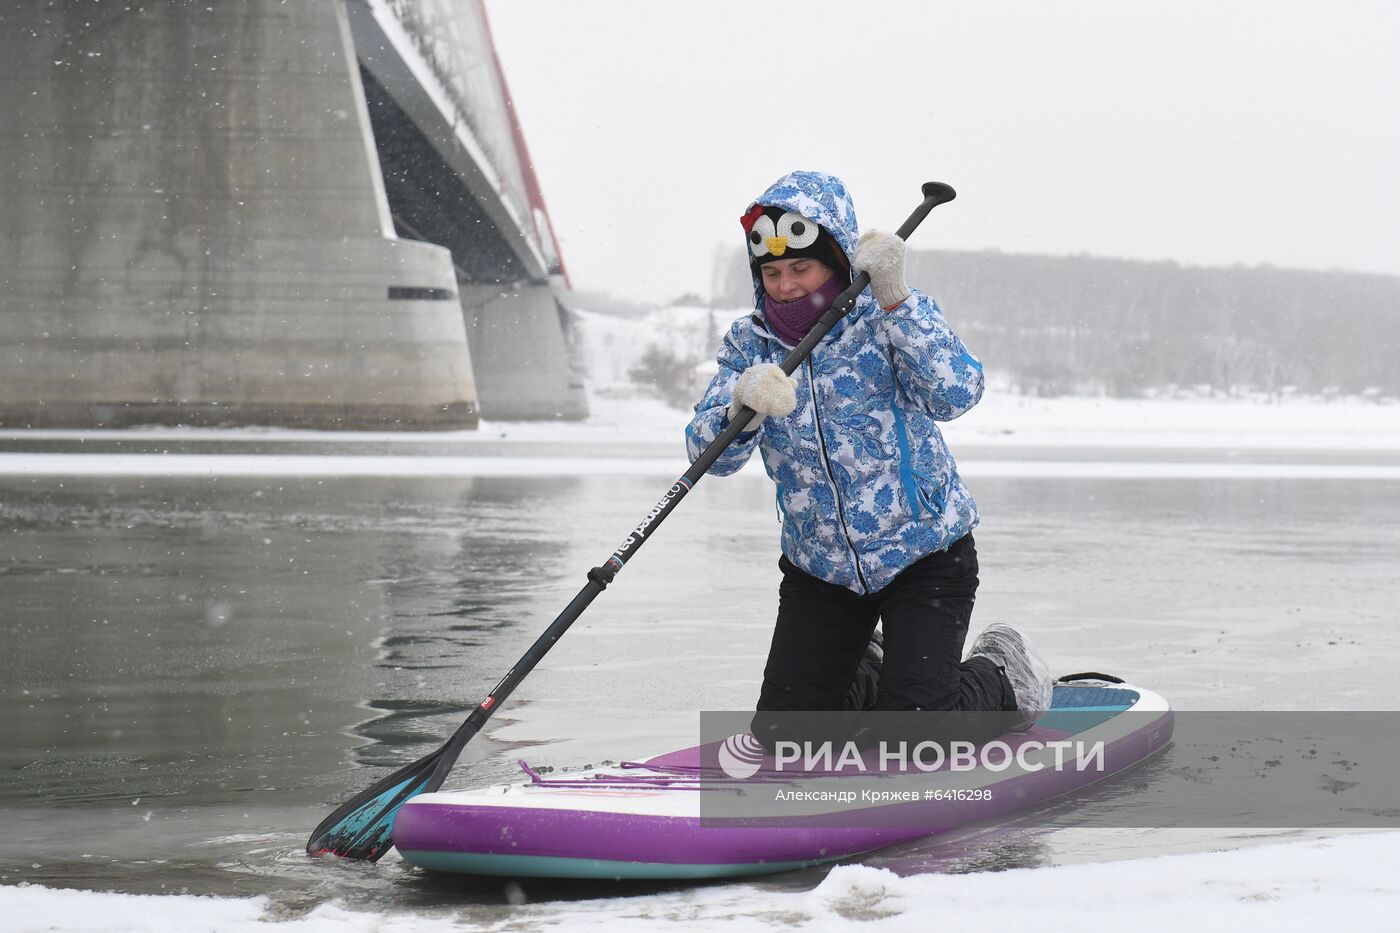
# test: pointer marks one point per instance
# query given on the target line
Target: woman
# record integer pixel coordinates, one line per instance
(877, 525)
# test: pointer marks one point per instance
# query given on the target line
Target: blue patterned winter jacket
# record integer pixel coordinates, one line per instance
(865, 483)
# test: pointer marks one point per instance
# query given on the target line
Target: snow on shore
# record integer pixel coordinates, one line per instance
(1297, 886)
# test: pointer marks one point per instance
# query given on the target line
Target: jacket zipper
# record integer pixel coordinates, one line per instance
(826, 465)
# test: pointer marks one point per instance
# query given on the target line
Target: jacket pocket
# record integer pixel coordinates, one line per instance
(930, 492)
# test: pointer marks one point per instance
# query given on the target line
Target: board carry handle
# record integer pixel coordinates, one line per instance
(1089, 675)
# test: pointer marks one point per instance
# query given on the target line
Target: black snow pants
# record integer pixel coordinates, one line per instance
(823, 629)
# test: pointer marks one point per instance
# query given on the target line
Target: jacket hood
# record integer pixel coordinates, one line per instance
(819, 197)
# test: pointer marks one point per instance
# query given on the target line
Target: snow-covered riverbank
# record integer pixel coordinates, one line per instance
(1300, 886)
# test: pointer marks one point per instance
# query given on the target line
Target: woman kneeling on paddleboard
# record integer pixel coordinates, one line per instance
(877, 524)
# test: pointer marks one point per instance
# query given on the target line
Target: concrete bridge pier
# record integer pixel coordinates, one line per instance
(195, 228)
(519, 355)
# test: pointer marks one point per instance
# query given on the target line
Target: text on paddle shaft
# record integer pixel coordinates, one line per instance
(672, 494)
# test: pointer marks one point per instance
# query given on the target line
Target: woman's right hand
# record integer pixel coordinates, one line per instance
(766, 389)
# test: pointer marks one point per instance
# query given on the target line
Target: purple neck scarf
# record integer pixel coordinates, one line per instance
(790, 320)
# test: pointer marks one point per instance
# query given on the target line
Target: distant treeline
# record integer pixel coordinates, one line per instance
(1088, 325)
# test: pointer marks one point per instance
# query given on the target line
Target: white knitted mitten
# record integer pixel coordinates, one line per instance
(766, 389)
(882, 255)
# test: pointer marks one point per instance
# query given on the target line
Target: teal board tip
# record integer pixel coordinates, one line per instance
(544, 866)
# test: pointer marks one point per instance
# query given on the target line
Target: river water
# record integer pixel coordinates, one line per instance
(196, 669)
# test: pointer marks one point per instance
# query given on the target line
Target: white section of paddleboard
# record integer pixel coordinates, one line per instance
(682, 797)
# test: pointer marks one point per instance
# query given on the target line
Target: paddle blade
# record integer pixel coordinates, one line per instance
(360, 828)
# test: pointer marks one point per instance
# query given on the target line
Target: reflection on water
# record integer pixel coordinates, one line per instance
(196, 670)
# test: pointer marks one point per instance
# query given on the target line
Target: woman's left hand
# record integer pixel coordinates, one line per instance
(882, 255)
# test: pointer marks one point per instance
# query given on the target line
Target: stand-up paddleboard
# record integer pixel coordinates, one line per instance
(644, 820)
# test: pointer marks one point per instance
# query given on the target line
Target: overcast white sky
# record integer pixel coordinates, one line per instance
(1204, 132)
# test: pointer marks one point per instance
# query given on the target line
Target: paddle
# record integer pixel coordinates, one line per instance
(360, 827)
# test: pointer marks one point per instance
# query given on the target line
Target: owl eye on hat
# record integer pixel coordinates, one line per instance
(774, 233)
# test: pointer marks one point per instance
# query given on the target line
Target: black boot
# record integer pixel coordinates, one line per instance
(866, 685)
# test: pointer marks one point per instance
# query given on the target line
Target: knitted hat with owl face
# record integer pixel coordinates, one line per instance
(775, 233)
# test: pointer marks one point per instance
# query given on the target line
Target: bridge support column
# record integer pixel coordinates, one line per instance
(522, 365)
(195, 229)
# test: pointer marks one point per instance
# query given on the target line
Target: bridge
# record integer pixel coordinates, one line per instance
(314, 214)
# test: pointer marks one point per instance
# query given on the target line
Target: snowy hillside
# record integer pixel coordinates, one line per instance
(645, 373)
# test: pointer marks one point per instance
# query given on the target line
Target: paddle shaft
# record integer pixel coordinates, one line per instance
(935, 193)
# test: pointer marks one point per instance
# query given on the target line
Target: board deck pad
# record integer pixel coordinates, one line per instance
(643, 819)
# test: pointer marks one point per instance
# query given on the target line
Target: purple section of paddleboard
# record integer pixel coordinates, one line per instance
(584, 834)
